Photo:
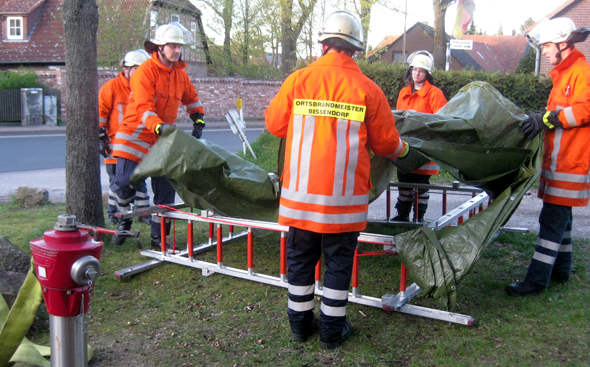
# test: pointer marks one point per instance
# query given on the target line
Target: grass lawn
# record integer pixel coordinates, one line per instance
(175, 316)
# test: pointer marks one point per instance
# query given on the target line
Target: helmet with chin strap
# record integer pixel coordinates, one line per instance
(134, 58)
(558, 30)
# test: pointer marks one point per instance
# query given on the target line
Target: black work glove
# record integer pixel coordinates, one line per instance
(411, 161)
(532, 125)
(103, 143)
(161, 128)
(198, 124)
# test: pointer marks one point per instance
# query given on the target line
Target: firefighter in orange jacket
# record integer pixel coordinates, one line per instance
(419, 95)
(565, 178)
(158, 87)
(330, 114)
(112, 103)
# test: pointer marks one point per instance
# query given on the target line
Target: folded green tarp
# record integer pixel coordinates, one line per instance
(475, 138)
(206, 176)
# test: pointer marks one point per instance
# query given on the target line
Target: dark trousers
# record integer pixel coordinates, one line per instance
(553, 251)
(125, 193)
(142, 198)
(304, 249)
(405, 199)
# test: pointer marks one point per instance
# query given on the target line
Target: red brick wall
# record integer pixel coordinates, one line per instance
(579, 12)
(218, 95)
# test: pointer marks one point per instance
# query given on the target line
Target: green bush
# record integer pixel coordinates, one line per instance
(22, 78)
(527, 91)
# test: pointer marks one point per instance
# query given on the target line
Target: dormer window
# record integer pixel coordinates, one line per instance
(15, 28)
(175, 18)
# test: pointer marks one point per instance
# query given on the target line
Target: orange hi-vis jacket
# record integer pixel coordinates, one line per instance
(112, 103)
(156, 93)
(331, 114)
(428, 99)
(565, 175)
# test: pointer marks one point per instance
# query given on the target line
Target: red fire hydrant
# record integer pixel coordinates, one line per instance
(67, 265)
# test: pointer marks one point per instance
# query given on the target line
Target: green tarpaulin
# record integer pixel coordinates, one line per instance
(475, 138)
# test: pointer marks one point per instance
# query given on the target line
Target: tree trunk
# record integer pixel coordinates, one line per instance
(440, 39)
(83, 188)
(228, 13)
(291, 30)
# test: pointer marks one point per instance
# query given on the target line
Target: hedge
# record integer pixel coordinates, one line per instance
(527, 91)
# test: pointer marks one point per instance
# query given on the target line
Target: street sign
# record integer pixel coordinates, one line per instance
(461, 44)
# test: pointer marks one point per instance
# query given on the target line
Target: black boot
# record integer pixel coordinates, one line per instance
(124, 225)
(301, 334)
(403, 211)
(560, 277)
(157, 243)
(524, 288)
(333, 344)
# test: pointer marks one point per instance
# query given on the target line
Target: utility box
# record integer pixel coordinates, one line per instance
(31, 106)
(50, 110)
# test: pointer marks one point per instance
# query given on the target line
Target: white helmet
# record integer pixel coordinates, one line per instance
(133, 58)
(557, 30)
(342, 29)
(169, 33)
(422, 59)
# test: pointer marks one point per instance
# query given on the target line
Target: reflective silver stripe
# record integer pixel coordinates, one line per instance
(146, 115)
(544, 258)
(194, 105)
(322, 217)
(301, 290)
(429, 167)
(102, 120)
(134, 138)
(142, 203)
(132, 151)
(399, 149)
(548, 244)
(565, 248)
(120, 108)
(324, 199)
(567, 235)
(570, 194)
(333, 311)
(340, 163)
(567, 177)
(335, 294)
(305, 152)
(295, 142)
(353, 155)
(556, 147)
(301, 306)
(405, 198)
(156, 219)
(569, 116)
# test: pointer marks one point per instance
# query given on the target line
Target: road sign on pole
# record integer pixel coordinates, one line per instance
(461, 44)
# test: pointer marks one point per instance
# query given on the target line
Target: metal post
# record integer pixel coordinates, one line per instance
(250, 251)
(68, 342)
(448, 63)
(283, 255)
(219, 245)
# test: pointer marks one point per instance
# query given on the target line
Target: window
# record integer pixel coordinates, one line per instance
(175, 18)
(398, 56)
(153, 18)
(15, 28)
(194, 32)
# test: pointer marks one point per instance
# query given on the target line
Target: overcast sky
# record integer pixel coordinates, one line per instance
(488, 16)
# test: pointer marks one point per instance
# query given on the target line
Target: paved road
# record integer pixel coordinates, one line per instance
(526, 216)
